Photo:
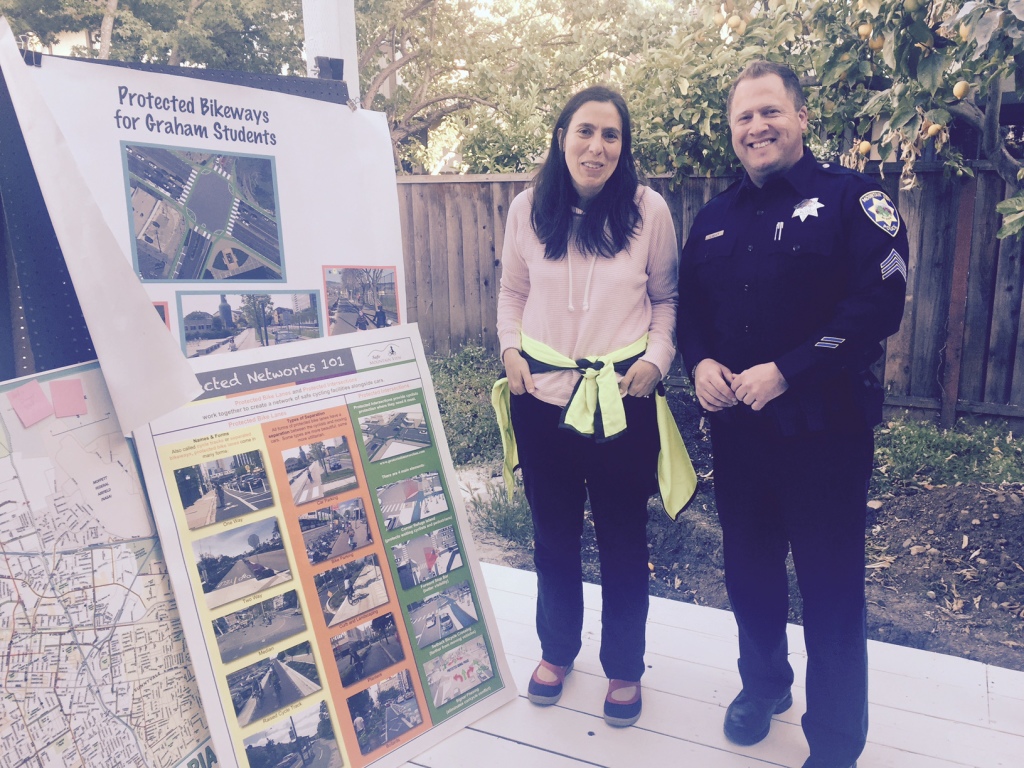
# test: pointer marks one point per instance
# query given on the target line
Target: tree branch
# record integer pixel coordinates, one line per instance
(382, 77)
(404, 129)
(174, 59)
(993, 146)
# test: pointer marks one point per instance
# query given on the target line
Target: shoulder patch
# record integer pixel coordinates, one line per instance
(879, 208)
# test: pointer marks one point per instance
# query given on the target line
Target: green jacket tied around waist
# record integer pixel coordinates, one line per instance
(595, 409)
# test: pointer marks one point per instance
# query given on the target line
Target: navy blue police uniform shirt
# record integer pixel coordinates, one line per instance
(809, 272)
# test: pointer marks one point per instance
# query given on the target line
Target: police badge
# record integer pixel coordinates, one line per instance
(879, 208)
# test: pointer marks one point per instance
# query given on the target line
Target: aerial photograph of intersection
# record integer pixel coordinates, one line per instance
(203, 216)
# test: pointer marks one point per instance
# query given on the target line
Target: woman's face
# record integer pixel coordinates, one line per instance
(591, 145)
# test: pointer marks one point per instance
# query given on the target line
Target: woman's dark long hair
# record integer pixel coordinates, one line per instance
(612, 217)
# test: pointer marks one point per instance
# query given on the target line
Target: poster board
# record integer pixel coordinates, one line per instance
(321, 554)
(215, 188)
(95, 670)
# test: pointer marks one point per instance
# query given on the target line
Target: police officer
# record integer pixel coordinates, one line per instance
(788, 282)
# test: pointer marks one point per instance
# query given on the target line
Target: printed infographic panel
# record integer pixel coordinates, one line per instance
(306, 504)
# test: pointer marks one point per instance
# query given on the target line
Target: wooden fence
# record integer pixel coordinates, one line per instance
(960, 349)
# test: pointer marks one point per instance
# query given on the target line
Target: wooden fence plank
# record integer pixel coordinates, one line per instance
(900, 346)
(421, 265)
(958, 303)
(438, 258)
(407, 293)
(455, 264)
(936, 237)
(470, 277)
(488, 267)
(981, 287)
(1017, 380)
(1005, 321)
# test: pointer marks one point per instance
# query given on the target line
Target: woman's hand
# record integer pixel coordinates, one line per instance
(712, 383)
(517, 371)
(640, 380)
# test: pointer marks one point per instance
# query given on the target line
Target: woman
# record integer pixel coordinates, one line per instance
(588, 271)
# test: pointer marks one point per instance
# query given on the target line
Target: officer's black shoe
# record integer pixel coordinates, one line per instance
(749, 717)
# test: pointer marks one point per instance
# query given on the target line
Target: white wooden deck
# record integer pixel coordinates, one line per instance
(927, 710)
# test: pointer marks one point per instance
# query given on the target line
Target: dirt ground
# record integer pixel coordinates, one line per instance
(944, 565)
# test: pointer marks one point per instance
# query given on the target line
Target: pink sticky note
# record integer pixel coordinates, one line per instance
(68, 398)
(30, 403)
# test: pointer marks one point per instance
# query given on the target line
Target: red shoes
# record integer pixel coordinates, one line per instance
(545, 686)
(622, 705)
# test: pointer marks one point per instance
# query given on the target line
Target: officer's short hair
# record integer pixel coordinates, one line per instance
(763, 68)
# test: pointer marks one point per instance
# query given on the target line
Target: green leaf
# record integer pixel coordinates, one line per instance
(920, 32)
(1011, 225)
(930, 70)
(983, 31)
(903, 114)
(889, 51)
(1012, 205)
(872, 7)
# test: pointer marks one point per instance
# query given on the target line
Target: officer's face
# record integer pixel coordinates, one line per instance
(592, 144)
(767, 128)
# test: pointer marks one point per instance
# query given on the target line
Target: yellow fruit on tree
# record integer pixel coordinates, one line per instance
(864, 30)
(911, 5)
(734, 21)
(719, 19)
(877, 42)
(864, 148)
(965, 33)
(961, 89)
(933, 130)
(741, 30)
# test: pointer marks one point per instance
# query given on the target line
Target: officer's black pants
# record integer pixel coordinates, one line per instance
(560, 469)
(808, 493)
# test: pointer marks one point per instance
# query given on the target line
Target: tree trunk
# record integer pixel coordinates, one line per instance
(107, 28)
(174, 59)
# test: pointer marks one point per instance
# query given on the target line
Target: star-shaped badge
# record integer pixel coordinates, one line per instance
(806, 208)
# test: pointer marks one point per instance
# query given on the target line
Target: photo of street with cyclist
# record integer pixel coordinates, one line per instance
(255, 627)
(360, 298)
(241, 561)
(411, 500)
(384, 711)
(217, 323)
(272, 683)
(426, 557)
(367, 649)
(394, 433)
(319, 469)
(223, 489)
(303, 740)
(442, 614)
(459, 670)
(202, 216)
(329, 532)
(350, 589)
